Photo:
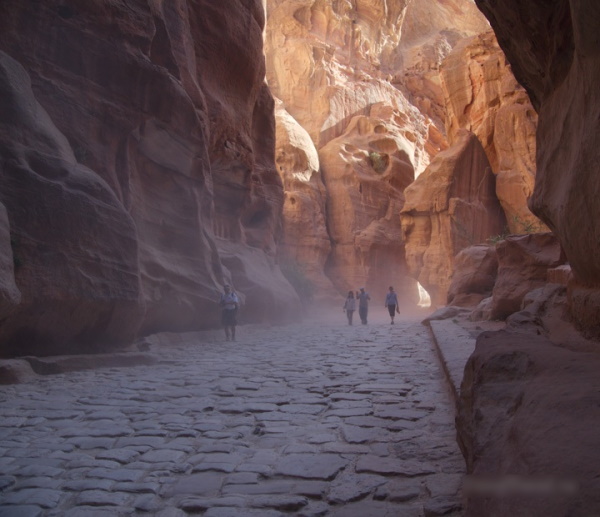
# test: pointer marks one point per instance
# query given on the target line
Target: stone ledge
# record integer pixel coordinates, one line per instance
(454, 345)
(23, 369)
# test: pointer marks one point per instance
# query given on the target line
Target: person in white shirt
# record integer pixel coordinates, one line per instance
(229, 306)
(350, 306)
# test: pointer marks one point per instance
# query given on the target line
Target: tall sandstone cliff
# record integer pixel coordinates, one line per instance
(363, 79)
(554, 52)
(137, 167)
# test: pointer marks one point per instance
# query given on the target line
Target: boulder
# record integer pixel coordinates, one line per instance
(474, 275)
(449, 207)
(527, 426)
(523, 264)
(483, 311)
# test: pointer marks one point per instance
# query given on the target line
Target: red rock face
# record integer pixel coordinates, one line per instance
(523, 264)
(473, 275)
(449, 207)
(553, 50)
(483, 96)
(140, 169)
(526, 425)
(365, 172)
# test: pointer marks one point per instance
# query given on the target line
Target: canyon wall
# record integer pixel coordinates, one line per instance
(137, 146)
(363, 79)
(451, 206)
(554, 53)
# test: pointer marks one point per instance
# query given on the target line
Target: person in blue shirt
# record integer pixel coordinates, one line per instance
(230, 304)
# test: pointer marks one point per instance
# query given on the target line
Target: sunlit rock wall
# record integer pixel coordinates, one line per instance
(332, 63)
(138, 170)
(449, 207)
(483, 96)
(366, 171)
(305, 244)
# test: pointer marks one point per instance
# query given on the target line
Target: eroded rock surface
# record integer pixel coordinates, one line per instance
(366, 171)
(145, 141)
(483, 96)
(305, 244)
(523, 264)
(451, 206)
(473, 276)
(527, 427)
(553, 51)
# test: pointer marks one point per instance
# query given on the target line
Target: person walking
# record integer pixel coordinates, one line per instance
(230, 304)
(350, 306)
(363, 305)
(391, 302)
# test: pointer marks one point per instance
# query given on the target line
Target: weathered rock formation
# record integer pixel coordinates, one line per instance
(332, 62)
(554, 53)
(527, 427)
(449, 207)
(365, 171)
(329, 63)
(305, 244)
(523, 264)
(483, 96)
(430, 31)
(474, 274)
(138, 170)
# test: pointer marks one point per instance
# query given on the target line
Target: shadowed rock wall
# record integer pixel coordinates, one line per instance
(137, 152)
(554, 52)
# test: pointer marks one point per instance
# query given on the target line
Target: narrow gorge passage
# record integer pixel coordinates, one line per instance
(310, 419)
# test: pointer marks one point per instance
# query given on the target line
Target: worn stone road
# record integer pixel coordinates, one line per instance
(305, 420)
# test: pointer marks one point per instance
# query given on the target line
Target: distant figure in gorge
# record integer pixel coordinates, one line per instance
(363, 305)
(229, 306)
(350, 306)
(391, 302)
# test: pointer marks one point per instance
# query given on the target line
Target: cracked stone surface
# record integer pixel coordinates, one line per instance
(313, 419)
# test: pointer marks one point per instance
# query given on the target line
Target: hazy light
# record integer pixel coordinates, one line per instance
(424, 298)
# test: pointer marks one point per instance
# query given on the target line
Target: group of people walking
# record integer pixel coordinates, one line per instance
(363, 299)
(230, 303)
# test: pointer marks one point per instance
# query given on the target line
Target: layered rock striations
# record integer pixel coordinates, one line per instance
(483, 96)
(138, 170)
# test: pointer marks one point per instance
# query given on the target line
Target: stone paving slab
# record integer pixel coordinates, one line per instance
(306, 420)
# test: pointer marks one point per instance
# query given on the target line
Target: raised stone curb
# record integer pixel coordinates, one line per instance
(454, 345)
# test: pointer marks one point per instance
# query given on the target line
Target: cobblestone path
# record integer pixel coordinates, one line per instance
(305, 420)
